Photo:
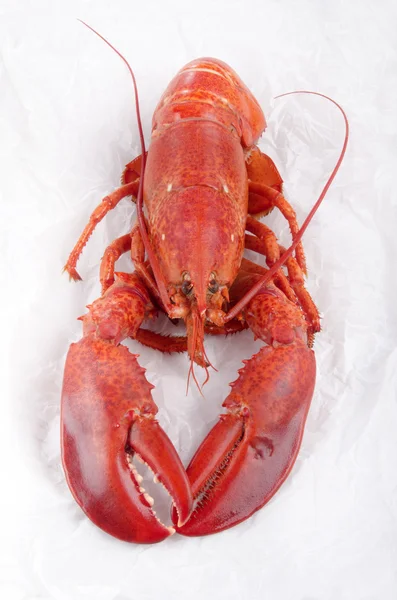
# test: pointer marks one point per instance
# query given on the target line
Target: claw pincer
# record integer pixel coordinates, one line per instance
(251, 450)
(108, 415)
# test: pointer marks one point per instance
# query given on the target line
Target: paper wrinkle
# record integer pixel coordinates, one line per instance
(67, 128)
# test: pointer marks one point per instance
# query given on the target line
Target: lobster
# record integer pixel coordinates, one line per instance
(204, 184)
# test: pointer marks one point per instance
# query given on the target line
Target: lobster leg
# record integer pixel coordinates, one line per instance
(268, 246)
(273, 198)
(164, 343)
(133, 242)
(279, 279)
(296, 282)
(111, 255)
(265, 193)
(178, 343)
(251, 450)
(270, 249)
(267, 236)
(108, 416)
(296, 278)
(141, 267)
(107, 204)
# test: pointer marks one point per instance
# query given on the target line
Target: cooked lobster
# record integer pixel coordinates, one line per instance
(204, 184)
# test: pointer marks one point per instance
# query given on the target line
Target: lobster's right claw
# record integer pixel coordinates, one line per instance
(249, 453)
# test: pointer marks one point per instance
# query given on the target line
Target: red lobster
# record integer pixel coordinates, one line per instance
(205, 184)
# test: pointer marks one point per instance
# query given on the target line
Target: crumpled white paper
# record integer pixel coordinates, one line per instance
(68, 127)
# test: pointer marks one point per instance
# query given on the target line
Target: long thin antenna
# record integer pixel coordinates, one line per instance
(139, 202)
(281, 261)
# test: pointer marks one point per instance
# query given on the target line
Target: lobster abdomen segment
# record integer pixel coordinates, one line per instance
(208, 88)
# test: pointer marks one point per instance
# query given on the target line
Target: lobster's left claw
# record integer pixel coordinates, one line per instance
(249, 453)
(251, 450)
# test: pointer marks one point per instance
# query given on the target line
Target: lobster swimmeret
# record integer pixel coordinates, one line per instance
(205, 185)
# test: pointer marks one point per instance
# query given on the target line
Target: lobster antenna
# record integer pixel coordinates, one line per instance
(139, 201)
(281, 261)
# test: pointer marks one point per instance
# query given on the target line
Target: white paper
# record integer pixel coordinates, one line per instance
(67, 128)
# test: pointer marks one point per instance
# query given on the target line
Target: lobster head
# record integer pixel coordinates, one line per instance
(199, 259)
(197, 300)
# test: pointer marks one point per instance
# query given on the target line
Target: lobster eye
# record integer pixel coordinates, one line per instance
(213, 286)
(186, 287)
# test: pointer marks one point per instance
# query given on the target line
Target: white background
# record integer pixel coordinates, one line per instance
(67, 127)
